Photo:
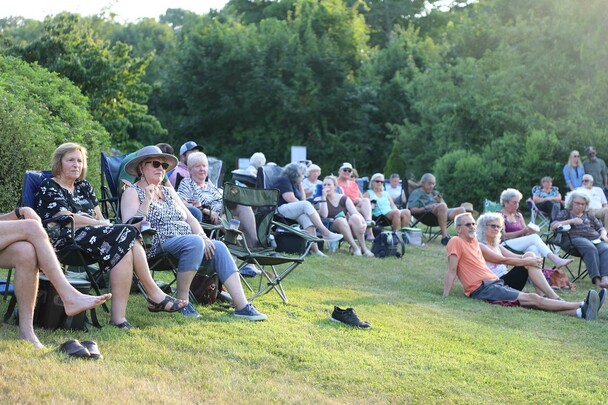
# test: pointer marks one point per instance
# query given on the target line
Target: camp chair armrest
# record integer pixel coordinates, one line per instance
(302, 234)
(62, 221)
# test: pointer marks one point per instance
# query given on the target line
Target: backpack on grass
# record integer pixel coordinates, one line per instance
(388, 244)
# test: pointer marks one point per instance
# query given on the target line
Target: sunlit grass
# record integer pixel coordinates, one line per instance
(422, 348)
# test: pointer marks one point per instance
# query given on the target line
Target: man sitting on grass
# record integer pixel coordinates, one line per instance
(25, 246)
(465, 261)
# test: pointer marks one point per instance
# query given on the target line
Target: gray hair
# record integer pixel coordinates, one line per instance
(484, 220)
(509, 193)
(577, 194)
(458, 218)
(394, 176)
(196, 158)
(294, 171)
(258, 159)
(426, 177)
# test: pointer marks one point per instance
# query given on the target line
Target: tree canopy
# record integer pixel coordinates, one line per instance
(487, 95)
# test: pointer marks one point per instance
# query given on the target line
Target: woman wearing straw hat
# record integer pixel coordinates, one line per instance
(179, 232)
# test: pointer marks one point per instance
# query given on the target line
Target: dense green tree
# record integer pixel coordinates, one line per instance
(108, 75)
(38, 111)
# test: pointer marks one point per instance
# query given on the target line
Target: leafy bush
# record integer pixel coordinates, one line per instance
(465, 176)
(39, 111)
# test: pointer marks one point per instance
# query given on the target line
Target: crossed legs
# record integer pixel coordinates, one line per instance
(24, 245)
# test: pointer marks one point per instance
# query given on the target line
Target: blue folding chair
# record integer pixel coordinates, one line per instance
(72, 254)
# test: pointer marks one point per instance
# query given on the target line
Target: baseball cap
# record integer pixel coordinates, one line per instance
(189, 146)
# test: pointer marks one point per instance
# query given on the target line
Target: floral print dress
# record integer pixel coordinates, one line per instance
(107, 245)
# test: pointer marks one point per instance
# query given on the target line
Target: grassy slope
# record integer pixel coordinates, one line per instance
(422, 348)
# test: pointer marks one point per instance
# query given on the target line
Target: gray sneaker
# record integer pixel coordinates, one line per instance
(249, 312)
(189, 311)
(591, 306)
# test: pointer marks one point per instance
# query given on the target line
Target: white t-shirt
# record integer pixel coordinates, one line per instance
(598, 198)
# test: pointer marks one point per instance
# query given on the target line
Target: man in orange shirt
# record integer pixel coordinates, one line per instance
(350, 188)
(466, 262)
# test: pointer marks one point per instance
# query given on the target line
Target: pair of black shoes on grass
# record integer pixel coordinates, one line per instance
(348, 317)
(87, 349)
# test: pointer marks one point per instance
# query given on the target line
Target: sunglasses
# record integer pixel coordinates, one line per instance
(156, 164)
(378, 181)
(587, 181)
(347, 170)
(469, 224)
(494, 226)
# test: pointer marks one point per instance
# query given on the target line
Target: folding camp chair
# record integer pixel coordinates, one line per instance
(538, 216)
(430, 221)
(561, 239)
(110, 185)
(274, 266)
(69, 255)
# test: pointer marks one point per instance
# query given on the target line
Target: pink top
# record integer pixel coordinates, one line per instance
(513, 226)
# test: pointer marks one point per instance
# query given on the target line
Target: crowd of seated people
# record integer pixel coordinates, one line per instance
(336, 208)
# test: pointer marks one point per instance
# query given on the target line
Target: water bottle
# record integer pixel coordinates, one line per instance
(273, 242)
(332, 246)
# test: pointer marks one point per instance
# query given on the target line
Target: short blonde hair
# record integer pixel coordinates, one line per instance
(64, 149)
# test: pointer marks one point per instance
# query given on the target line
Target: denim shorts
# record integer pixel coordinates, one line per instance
(495, 290)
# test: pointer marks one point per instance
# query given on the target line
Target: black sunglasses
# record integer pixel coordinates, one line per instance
(156, 164)
(378, 181)
(347, 170)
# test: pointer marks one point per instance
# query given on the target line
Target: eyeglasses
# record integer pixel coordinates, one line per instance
(347, 170)
(579, 202)
(494, 226)
(587, 181)
(156, 164)
(469, 224)
(378, 181)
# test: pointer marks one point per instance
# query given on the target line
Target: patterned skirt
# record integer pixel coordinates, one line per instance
(107, 245)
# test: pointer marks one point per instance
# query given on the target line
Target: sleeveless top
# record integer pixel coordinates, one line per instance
(166, 217)
(332, 211)
(383, 204)
(496, 268)
(511, 226)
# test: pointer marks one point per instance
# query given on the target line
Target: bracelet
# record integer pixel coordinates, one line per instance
(18, 214)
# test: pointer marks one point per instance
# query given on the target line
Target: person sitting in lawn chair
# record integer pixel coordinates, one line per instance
(426, 199)
(179, 233)
(465, 261)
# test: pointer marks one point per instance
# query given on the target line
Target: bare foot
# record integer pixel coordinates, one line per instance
(83, 302)
(562, 262)
(31, 337)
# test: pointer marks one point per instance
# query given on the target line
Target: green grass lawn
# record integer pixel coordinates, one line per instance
(422, 348)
